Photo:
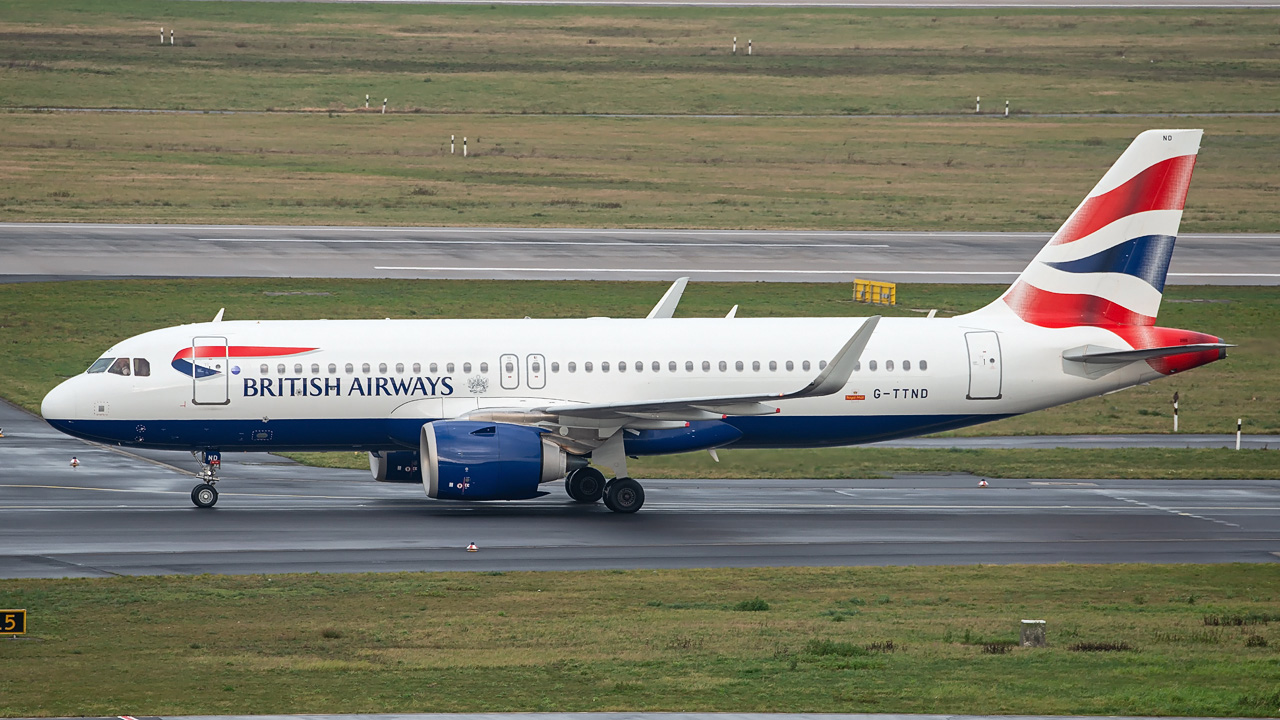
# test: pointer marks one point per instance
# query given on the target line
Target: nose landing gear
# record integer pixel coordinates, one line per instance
(205, 495)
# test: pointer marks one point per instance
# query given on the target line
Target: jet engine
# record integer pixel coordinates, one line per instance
(468, 460)
(395, 467)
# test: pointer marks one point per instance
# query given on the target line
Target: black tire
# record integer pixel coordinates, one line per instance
(589, 485)
(623, 495)
(571, 485)
(204, 495)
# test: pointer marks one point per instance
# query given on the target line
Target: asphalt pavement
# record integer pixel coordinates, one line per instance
(124, 513)
(51, 251)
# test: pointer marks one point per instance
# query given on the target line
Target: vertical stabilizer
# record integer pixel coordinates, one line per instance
(1107, 264)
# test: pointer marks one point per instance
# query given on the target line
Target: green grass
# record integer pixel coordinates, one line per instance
(897, 640)
(54, 330)
(469, 59)
(867, 462)
(824, 173)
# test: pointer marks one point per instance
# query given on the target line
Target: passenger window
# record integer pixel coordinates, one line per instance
(264, 369)
(688, 366)
(804, 365)
(906, 364)
(604, 366)
(706, 366)
(587, 366)
(871, 366)
(141, 367)
(349, 368)
(640, 366)
(671, 366)
(724, 366)
(822, 364)
(119, 367)
(484, 367)
(924, 364)
(622, 366)
(773, 366)
(417, 368)
(537, 367)
(280, 369)
(790, 366)
(572, 367)
(399, 368)
(297, 368)
(364, 368)
(857, 365)
(333, 369)
(382, 368)
(315, 368)
(555, 367)
(448, 368)
(100, 365)
(888, 365)
(433, 368)
(738, 366)
(755, 365)
(466, 367)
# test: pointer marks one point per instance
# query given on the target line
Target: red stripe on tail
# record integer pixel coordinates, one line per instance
(1055, 310)
(1162, 186)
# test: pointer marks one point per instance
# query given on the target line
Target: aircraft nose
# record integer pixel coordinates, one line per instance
(60, 403)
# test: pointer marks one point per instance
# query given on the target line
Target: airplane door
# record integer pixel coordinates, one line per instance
(535, 374)
(509, 368)
(210, 371)
(984, 365)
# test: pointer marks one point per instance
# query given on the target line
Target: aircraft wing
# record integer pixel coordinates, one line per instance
(829, 381)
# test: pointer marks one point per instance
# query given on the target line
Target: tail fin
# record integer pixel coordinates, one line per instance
(1107, 264)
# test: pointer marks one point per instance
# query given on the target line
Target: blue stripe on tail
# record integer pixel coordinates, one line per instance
(1145, 257)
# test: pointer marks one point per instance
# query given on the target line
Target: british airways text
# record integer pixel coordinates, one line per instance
(368, 387)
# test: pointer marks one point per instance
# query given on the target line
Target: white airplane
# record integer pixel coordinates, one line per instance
(491, 409)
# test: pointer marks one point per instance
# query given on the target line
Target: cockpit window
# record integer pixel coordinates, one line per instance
(141, 367)
(100, 365)
(119, 367)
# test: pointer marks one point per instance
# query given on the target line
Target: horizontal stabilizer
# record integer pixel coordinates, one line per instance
(1097, 354)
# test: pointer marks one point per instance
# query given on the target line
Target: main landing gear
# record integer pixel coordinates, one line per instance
(205, 495)
(621, 495)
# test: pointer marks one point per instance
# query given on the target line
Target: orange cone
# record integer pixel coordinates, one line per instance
(472, 547)
(982, 483)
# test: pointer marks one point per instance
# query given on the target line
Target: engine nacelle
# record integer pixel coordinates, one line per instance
(396, 467)
(467, 460)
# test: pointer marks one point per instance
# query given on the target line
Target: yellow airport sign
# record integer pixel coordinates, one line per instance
(13, 622)
(876, 293)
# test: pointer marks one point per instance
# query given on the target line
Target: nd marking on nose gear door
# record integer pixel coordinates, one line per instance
(985, 372)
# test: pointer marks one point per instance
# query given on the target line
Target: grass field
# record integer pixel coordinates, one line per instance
(478, 59)
(54, 330)
(945, 174)
(535, 165)
(897, 640)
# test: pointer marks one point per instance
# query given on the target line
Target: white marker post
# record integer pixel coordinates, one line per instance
(450, 144)
(162, 35)
(977, 106)
(1175, 411)
(1006, 108)
(170, 36)
(384, 106)
(464, 146)
(735, 44)
(1239, 422)
(366, 101)
(748, 47)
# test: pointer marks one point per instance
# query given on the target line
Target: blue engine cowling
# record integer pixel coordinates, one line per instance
(396, 467)
(466, 460)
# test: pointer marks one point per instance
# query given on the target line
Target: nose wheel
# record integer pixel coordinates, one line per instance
(204, 495)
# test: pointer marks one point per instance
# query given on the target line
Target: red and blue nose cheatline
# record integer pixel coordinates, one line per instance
(182, 361)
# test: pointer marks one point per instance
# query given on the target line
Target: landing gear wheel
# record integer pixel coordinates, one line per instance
(586, 485)
(623, 495)
(204, 495)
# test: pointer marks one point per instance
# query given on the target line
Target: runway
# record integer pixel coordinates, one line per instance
(124, 514)
(41, 252)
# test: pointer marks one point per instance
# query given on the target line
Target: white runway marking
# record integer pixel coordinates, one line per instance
(764, 271)
(539, 243)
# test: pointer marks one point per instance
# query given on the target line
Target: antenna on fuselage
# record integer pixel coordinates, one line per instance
(218, 317)
(733, 312)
